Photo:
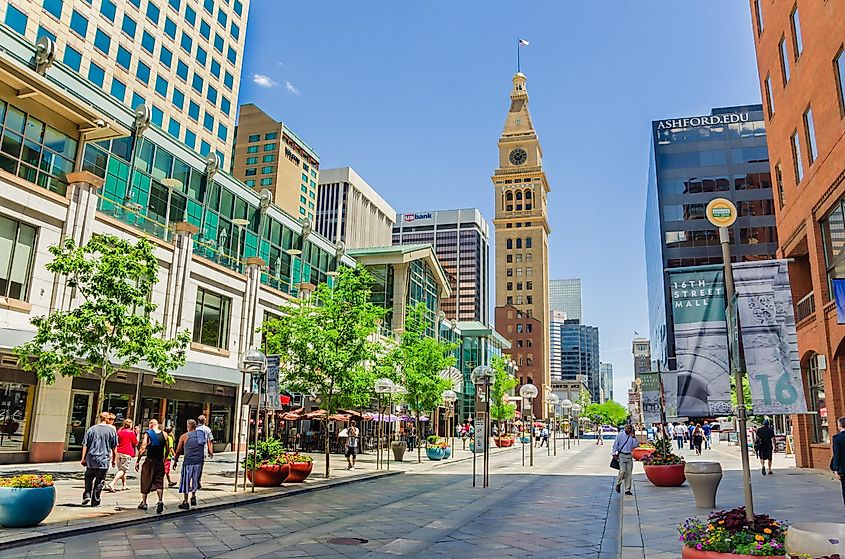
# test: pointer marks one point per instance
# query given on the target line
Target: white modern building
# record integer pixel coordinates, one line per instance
(461, 242)
(565, 295)
(556, 344)
(351, 212)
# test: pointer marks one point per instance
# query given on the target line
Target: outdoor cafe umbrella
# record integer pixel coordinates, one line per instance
(387, 418)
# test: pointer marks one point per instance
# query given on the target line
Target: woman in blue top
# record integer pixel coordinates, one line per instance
(190, 445)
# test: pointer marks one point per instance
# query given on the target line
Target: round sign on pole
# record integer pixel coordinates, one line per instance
(721, 212)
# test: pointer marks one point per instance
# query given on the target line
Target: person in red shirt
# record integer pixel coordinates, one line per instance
(127, 440)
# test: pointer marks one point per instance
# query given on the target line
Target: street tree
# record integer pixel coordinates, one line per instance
(328, 341)
(420, 359)
(584, 398)
(500, 408)
(111, 329)
(608, 413)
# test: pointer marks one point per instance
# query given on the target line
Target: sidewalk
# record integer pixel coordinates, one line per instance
(119, 508)
(651, 516)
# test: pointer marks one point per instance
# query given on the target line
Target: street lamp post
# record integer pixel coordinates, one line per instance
(254, 364)
(554, 399)
(576, 410)
(383, 386)
(486, 377)
(566, 407)
(529, 392)
(449, 398)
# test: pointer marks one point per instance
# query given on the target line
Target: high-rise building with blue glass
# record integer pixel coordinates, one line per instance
(693, 160)
(579, 355)
(180, 58)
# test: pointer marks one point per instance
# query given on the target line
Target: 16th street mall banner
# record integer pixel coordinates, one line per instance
(650, 389)
(767, 326)
(702, 380)
(769, 341)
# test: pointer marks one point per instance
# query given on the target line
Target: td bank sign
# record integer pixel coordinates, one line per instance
(695, 121)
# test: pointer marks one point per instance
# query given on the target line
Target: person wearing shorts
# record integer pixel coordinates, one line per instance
(126, 443)
(169, 451)
(351, 445)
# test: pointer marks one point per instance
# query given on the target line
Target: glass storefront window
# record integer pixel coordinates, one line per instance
(15, 408)
(817, 401)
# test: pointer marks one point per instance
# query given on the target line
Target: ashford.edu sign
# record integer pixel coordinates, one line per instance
(694, 121)
(413, 217)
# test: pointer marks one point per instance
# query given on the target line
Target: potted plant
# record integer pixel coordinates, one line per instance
(399, 448)
(265, 464)
(504, 441)
(727, 534)
(642, 451)
(26, 500)
(300, 467)
(662, 467)
(524, 437)
(435, 449)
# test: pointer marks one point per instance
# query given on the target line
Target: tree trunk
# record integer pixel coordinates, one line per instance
(419, 437)
(101, 400)
(326, 437)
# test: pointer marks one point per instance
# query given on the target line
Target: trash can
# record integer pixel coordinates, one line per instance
(704, 478)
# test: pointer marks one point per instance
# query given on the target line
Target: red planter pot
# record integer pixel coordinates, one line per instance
(504, 443)
(692, 553)
(299, 471)
(268, 475)
(666, 476)
(640, 453)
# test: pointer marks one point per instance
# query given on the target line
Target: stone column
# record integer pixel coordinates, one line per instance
(179, 276)
(400, 296)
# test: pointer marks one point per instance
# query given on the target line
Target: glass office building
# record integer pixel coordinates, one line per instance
(693, 160)
(579, 355)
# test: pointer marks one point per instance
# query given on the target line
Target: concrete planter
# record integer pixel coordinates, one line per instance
(435, 453)
(299, 471)
(447, 452)
(671, 475)
(504, 442)
(704, 478)
(24, 507)
(691, 553)
(640, 453)
(816, 539)
(269, 475)
(399, 448)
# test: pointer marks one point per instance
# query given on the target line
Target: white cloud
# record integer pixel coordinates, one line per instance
(263, 81)
(291, 88)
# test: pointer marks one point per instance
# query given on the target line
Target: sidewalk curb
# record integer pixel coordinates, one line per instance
(288, 491)
(611, 540)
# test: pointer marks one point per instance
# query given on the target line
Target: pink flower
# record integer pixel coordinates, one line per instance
(698, 546)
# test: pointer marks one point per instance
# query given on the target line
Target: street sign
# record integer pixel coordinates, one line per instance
(480, 435)
(273, 402)
(721, 212)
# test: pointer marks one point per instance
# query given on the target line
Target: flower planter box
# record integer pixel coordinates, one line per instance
(692, 553)
(299, 471)
(671, 475)
(640, 453)
(504, 442)
(448, 452)
(24, 507)
(269, 475)
(435, 453)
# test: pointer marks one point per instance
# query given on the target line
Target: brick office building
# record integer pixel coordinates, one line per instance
(801, 63)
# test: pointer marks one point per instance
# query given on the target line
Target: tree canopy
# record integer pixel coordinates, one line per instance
(500, 409)
(111, 329)
(608, 413)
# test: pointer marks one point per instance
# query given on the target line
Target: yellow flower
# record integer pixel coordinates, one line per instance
(759, 538)
(721, 522)
(767, 531)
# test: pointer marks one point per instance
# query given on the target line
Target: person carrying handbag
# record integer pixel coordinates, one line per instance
(624, 444)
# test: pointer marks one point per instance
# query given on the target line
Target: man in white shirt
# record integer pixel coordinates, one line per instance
(680, 435)
(624, 444)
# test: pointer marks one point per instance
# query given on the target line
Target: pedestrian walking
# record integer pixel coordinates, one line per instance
(697, 439)
(837, 463)
(599, 434)
(544, 437)
(412, 438)
(766, 437)
(708, 429)
(680, 432)
(98, 451)
(206, 439)
(624, 444)
(351, 445)
(152, 473)
(169, 451)
(690, 429)
(127, 440)
(189, 445)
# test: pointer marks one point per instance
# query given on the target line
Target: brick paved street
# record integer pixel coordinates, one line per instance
(557, 511)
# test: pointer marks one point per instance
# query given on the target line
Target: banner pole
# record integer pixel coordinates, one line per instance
(725, 240)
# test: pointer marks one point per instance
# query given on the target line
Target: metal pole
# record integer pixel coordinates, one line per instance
(531, 439)
(257, 417)
(389, 444)
(554, 423)
(522, 436)
(725, 240)
(487, 436)
(548, 445)
(378, 433)
(238, 433)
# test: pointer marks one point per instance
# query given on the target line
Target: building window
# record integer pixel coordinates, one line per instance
(182, 70)
(129, 26)
(266, 170)
(250, 182)
(810, 133)
(202, 56)
(102, 42)
(107, 8)
(528, 271)
(519, 243)
(252, 161)
(153, 13)
(143, 72)
(770, 104)
(833, 239)
(96, 75)
(118, 90)
(269, 147)
(254, 138)
(779, 181)
(784, 60)
(817, 401)
(267, 182)
(124, 58)
(190, 16)
(211, 319)
(174, 128)
(252, 149)
(79, 24)
(190, 139)
(528, 242)
(839, 70)
(148, 42)
(250, 172)
(17, 253)
(54, 7)
(758, 14)
(194, 111)
(796, 158)
(170, 28)
(178, 99)
(797, 43)
(271, 135)
(509, 258)
(268, 158)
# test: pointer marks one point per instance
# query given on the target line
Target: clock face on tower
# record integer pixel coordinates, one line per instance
(518, 156)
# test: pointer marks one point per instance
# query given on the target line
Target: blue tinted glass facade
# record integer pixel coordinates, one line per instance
(579, 354)
(694, 160)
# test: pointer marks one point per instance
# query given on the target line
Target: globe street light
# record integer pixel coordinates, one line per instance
(554, 399)
(382, 386)
(576, 409)
(529, 392)
(254, 364)
(567, 407)
(449, 398)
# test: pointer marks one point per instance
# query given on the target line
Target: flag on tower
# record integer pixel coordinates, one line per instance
(523, 43)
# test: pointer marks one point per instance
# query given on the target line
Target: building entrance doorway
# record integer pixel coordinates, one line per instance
(79, 417)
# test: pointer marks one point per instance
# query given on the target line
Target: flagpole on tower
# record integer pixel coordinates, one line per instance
(518, 44)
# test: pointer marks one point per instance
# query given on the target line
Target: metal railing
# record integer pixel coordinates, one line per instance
(806, 306)
(134, 215)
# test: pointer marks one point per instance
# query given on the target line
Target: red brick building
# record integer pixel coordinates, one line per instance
(801, 64)
(526, 335)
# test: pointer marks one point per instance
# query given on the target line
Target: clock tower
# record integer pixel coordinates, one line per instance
(522, 250)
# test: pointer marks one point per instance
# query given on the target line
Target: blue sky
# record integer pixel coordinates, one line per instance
(413, 95)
